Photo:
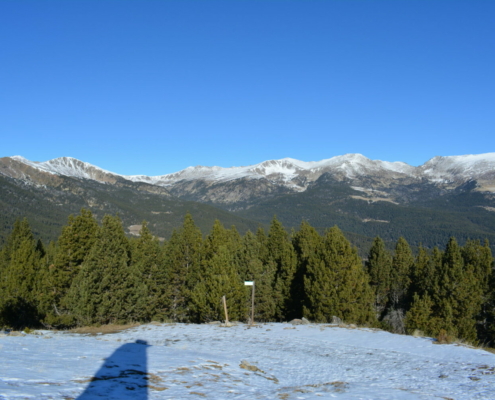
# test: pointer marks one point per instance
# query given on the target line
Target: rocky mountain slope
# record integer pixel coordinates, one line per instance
(47, 199)
(445, 196)
(237, 187)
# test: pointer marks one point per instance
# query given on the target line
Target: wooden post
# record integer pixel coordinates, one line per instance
(252, 307)
(225, 309)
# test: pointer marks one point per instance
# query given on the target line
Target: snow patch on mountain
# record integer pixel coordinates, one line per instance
(283, 170)
(466, 167)
(67, 166)
(291, 172)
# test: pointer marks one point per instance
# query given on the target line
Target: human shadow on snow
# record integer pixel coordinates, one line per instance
(123, 375)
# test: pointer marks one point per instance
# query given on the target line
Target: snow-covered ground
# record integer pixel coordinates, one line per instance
(269, 361)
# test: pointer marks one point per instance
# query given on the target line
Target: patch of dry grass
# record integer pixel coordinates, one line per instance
(103, 329)
(245, 365)
(198, 394)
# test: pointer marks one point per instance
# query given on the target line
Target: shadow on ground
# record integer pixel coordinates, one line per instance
(122, 376)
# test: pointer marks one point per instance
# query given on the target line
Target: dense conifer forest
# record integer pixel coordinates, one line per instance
(94, 274)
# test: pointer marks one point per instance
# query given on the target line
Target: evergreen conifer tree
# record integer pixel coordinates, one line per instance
(72, 247)
(420, 315)
(220, 278)
(107, 288)
(488, 321)
(306, 242)
(219, 236)
(281, 253)
(402, 264)
(262, 274)
(147, 258)
(336, 283)
(424, 273)
(479, 260)
(19, 297)
(182, 265)
(378, 266)
(400, 281)
(458, 294)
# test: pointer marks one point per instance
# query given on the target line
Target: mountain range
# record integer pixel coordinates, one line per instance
(445, 196)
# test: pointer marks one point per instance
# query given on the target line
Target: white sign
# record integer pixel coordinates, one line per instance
(248, 283)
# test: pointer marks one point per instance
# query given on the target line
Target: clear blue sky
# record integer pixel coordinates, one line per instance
(152, 87)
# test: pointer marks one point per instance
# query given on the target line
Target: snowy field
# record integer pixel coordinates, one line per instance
(269, 361)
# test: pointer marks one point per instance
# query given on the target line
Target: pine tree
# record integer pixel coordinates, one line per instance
(182, 265)
(281, 254)
(424, 276)
(402, 264)
(336, 283)
(305, 242)
(478, 260)
(19, 297)
(72, 247)
(378, 266)
(107, 289)
(147, 258)
(488, 332)
(424, 272)
(219, 236)
(400, 277)
(458, 294)
(263, 275)
(220, 278)
(234, 244)
(420, 315)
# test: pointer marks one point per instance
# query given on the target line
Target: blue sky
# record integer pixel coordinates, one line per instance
(152, 87)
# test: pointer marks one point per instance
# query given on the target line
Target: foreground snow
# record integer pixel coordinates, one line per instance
(269, 361)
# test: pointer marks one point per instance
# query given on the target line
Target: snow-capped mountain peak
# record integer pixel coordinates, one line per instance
(69, 166)
(290, 172)
(467, 166)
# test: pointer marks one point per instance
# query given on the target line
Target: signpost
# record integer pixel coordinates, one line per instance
(251, 283)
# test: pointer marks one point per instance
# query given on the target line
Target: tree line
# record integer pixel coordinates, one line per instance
(94, 274)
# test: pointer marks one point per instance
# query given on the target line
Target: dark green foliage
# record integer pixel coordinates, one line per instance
(73, 245)
(95, 275)
(378, 266)
(452, 290)
(19, 289)
(487, 334)
(400, 274)
(281, 257)
(48, 207)
(219, 278)
(336, 283)
(147, 259)
(400, 281)
(425, 272)
(306, 242)
(182, 263)
(420, 316)
(263, 274)
(107, 289)
(425, 216)
(459, 292)
(478, 260)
